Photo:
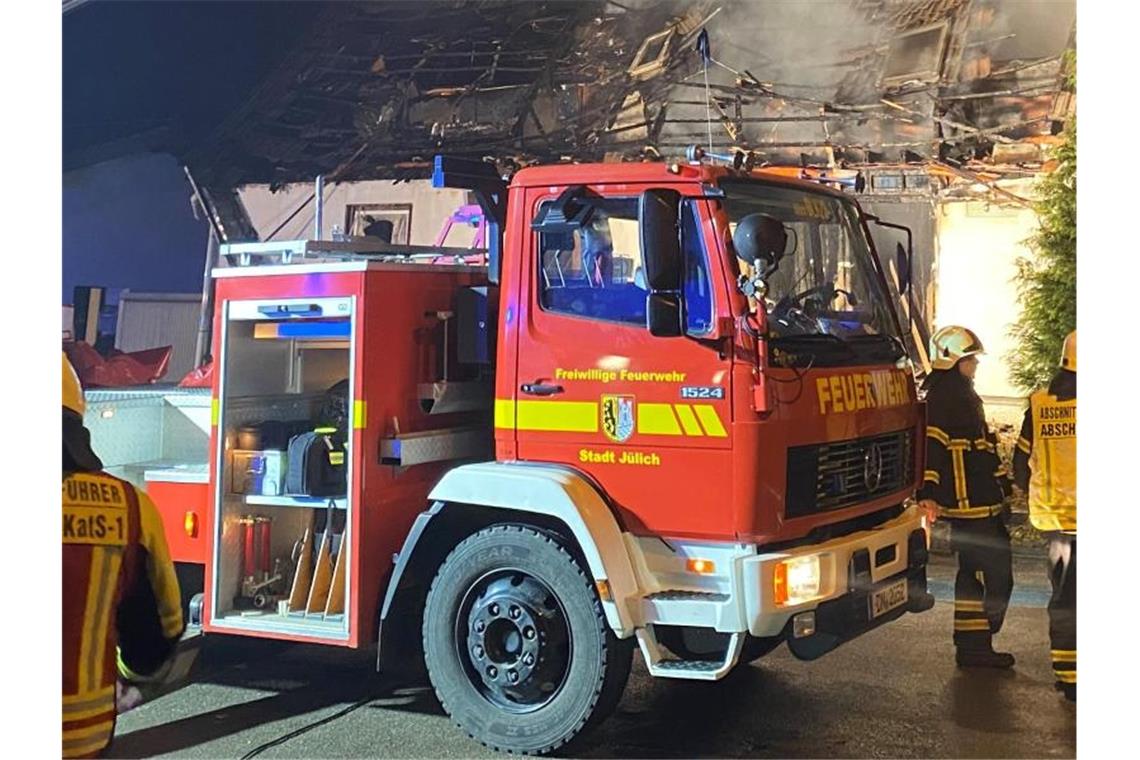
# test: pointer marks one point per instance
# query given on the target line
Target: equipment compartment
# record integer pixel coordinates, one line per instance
(281, 559)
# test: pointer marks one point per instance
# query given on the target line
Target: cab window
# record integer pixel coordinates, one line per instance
(698, 288)
(597, 271)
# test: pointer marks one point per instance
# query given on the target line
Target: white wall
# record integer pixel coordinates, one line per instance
(430, 207)
(978, 245)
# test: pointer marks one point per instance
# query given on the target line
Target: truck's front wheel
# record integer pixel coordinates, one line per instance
(516, 643)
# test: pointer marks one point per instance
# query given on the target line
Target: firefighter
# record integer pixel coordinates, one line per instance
(598, 250)
(966, 483)
(1045, 466)
(122, 615)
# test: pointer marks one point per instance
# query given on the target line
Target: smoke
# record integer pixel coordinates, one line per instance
(808, 50)
(804, 46)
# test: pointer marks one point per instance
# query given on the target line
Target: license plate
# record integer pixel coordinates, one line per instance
(888, 598)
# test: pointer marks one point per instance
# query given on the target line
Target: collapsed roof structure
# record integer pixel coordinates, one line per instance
(378, 87)
(969, 90)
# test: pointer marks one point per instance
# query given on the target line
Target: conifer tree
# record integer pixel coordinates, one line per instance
(1047, 284)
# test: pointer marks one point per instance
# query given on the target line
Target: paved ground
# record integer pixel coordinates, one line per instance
(893, 693)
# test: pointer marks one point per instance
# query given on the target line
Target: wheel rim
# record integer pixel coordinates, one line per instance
(513, 639)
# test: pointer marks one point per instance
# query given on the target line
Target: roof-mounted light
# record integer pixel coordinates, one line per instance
(738, 159)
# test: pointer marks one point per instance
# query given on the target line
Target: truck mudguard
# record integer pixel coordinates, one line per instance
(546, 489)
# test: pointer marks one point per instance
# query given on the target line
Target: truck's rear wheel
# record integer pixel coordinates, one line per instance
(516, 643)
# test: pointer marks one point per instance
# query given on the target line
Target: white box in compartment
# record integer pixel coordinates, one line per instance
(258, 472)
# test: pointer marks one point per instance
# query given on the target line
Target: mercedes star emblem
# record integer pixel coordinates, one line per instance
(873, 467)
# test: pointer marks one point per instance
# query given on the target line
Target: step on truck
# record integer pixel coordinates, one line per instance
(667, 414)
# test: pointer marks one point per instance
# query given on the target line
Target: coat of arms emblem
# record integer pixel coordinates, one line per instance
(617, 417)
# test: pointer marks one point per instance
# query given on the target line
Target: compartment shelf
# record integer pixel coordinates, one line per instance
(310, 502)
(291, 624)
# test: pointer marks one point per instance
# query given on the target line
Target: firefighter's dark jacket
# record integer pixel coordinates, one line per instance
(964, 473)
(1064, 388)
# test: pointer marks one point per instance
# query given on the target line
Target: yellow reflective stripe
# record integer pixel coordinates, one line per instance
(83, 749)
(688, 420)
(657, 419)
(359, 414)
(1066, 676)
(75, 746)
(1063, 655)
(959, 478)
(215, 412)
(83, 698)
(1023, 444)
(103, 727)
(710, 420)
(969, 511)
(971, 625)
(932, 476)
(88, 707)
(983, 445)
(94, 590)
(504, 412)
(697, 420)
(938, 434)
(1001, 471)
(159, 568)
(103, 620)
(123, 668)
(968, 605)
(1047, 481)
(557, 416)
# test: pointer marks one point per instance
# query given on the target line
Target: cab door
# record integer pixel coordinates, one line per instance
(649, 419)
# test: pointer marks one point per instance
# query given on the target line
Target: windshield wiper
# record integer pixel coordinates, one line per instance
(815, 339)
(898, 344)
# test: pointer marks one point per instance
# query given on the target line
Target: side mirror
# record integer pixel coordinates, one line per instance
(902, 261)
(664, 314)
(658, 216)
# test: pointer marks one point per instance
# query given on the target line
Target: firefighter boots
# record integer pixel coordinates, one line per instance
(983, 658)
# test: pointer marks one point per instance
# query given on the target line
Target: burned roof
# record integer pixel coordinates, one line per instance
(374, 89)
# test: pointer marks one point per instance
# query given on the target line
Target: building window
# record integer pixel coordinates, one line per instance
(391, 221)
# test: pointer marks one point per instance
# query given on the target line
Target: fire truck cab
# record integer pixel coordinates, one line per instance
(672, 414)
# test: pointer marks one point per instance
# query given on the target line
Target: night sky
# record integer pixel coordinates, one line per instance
(134, 67)
(140, 81)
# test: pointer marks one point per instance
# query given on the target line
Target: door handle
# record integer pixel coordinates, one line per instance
(540, 389)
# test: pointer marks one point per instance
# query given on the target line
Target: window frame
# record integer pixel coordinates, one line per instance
(689, 205)
(357, 211)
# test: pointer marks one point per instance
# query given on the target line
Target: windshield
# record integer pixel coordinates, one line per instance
(824, 298)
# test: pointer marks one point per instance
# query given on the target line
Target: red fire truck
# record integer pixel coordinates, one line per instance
(673, 413)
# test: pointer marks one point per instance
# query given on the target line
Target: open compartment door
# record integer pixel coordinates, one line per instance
(284, 492)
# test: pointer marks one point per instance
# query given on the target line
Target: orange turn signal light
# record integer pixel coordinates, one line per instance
(701, 566)
(780, 584)
(190, 524)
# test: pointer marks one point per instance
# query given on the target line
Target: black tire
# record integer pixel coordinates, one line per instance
(755, 648)
(579, 668)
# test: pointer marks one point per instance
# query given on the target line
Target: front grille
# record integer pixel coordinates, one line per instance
(828, 476)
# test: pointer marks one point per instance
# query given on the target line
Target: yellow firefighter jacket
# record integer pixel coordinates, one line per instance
(1046, 460)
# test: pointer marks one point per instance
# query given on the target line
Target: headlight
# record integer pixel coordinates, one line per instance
(796, 581)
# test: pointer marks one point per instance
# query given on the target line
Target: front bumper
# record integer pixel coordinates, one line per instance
(740, 603)
(850, 568)
(848, 617)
